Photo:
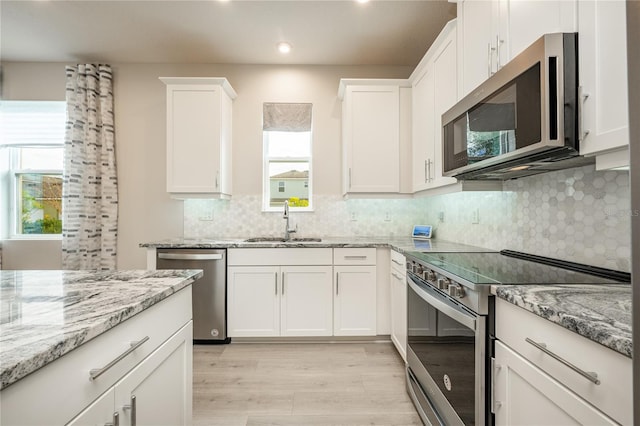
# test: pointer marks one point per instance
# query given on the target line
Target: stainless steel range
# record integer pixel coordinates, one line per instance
(450, 324)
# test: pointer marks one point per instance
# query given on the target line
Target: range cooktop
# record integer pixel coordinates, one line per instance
(509, 267)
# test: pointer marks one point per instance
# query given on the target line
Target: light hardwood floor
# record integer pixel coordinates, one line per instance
(300, 384)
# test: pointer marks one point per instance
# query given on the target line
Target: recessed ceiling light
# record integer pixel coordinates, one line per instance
(284, 47)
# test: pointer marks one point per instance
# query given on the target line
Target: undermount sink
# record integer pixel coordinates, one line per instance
(281, 240)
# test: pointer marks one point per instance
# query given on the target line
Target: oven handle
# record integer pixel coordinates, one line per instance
(443, 305)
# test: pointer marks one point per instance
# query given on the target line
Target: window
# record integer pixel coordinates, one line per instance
(287, 156)
(32, 143)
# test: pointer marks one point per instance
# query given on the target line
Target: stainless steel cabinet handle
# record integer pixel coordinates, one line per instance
(217, 178)
(349, 177)
(494, 368)
(276, 282)
(283, 283)
(590, 375)
(97, 372)
(498, 43)
(426, 173)
(337, 283)
(132, 407)
(488, 59)
(582, 98)
(189, 256)
(397, 263)
(354, 257)
(116, 420)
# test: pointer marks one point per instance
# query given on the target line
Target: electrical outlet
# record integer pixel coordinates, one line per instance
(353, 216)
(441, 216)
(387, 217)
(475, 216)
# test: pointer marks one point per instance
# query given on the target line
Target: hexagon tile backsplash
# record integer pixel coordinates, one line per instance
(577, 214)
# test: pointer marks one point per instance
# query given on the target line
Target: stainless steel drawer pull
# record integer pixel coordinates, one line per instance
(132, 407)
(116, 420)
(189, 256)
(276, 282)
(97, 372)
(591, 376)
(397, 263)
(355, 257)
(337, 283)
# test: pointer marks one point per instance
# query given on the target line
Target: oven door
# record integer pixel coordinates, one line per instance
(445, 357)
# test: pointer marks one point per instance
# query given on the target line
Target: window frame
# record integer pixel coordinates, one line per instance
(267, 160)
(14, 193)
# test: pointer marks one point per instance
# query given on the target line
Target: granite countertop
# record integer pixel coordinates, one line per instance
(46, 314)
(401, 244)
(601, 313)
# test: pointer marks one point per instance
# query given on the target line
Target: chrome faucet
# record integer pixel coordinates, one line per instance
(288, 231)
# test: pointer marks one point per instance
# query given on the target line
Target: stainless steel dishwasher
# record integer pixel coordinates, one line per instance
(209, 298)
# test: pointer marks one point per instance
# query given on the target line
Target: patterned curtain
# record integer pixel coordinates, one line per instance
(90, 191)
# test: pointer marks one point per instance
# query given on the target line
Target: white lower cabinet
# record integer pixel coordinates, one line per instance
(526, 395)
(399, 303)
(157, 369)
(268, 301)
(533, 387)
(298, 292)
(157, 392)
(354, 301)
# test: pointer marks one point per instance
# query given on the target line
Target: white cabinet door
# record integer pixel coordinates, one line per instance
(354, 301)
(399, 311)
(445, 95)
(603, 77)
(371, 139)
(424, 119)
(199, 136)
(253, 301)
(525, 395)
(434, 92)
(158, 391)
(101, 412)
(477, 42)
(306, 301)
(495, 31)
(528, 20)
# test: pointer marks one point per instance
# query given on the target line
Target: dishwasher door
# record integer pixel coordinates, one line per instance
(209, 298)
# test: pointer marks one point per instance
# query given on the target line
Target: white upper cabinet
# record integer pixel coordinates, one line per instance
(371, 135)
(199, 114)
(434, 92)
(492, 32)
(603, 80)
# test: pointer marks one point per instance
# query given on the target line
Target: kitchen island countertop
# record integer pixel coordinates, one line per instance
(46, 314)
(601, 313)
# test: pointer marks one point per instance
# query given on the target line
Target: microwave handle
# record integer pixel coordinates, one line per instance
(443, 306)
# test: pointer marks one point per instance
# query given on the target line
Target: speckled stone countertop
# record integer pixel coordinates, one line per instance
(601, 313)
(46, 314)
(401, 244)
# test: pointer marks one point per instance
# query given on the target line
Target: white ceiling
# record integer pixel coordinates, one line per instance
(325, 32)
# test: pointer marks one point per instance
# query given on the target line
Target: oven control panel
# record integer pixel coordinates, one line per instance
(437, 280)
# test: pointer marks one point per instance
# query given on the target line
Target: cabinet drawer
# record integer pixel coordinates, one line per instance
(614, 393)
(62, 388)
(398, 262)
(279, 256)
(354, 256)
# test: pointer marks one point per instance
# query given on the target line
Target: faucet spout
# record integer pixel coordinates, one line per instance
(287, 230)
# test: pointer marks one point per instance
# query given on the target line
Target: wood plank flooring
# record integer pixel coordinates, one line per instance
(300, 384)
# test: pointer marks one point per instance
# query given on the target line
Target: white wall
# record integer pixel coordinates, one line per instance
(146, 212)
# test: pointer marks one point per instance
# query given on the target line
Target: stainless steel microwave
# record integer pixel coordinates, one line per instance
(523, 120)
